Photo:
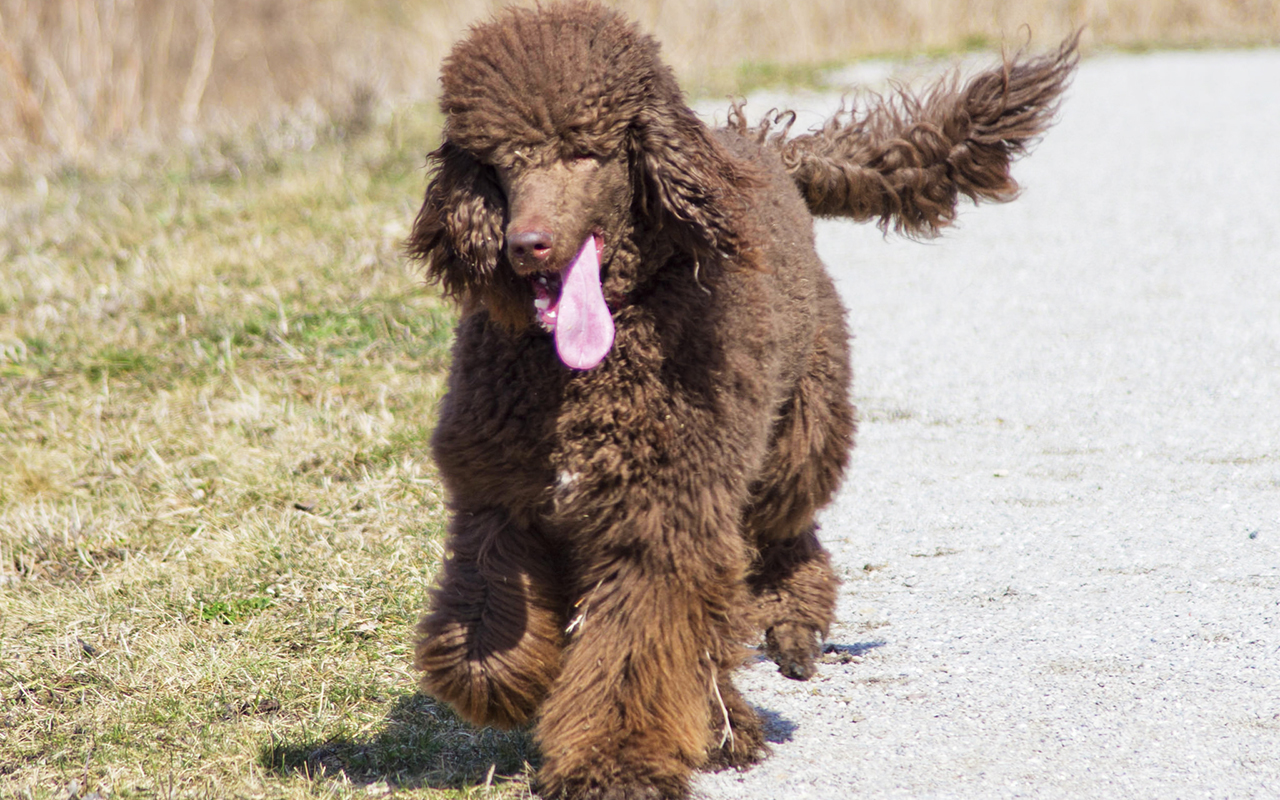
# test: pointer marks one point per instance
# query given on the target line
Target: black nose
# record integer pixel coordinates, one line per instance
(530, 247)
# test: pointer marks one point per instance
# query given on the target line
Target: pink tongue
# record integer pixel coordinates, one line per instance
(584, 327)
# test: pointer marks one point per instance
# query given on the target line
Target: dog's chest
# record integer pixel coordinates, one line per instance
(497, 423)
(520, 430)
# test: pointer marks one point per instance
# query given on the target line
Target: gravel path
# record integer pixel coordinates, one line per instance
(1060, 533)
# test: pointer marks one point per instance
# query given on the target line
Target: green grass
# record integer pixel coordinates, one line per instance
(218, 519)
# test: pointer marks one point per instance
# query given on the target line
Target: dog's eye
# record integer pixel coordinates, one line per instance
(504, 177)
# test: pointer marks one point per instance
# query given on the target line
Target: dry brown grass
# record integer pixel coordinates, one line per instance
(83, 72)
(77, 73)
(703, 38)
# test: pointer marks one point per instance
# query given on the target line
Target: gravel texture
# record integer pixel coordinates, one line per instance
(1060, 531)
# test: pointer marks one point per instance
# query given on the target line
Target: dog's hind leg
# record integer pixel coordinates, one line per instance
(490, 644)
(794, 590)
(791, 580)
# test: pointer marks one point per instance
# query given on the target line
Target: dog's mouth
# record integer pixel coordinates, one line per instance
(570, 305)
(546, 298)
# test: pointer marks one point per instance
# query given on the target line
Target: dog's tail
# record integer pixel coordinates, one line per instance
(906, 159)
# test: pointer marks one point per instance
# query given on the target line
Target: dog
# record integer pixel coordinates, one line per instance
(649, 392)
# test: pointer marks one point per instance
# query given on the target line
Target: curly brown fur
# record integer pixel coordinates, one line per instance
(905, 161)
(492, 642)
(624, 525)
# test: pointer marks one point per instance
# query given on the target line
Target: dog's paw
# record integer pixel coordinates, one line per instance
(737, 732)
(744, 748)
(795, 648)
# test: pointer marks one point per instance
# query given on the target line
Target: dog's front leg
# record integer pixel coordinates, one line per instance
(491, 642)
(635, 708)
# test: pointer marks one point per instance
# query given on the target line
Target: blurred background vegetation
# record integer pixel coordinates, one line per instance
(78, 74)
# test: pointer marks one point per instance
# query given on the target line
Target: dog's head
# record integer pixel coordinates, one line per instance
(567, 144)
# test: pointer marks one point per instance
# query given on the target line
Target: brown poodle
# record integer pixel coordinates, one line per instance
(649, 397)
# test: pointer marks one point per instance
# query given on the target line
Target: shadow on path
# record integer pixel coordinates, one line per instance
(845, 653)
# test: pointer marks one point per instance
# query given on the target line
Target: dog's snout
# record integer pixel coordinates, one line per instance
(530, 247)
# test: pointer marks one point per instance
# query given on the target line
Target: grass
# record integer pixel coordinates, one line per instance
(80, 75)
(218, 521)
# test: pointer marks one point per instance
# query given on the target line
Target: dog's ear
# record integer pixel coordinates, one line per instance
(458, 231)
(459, 235)
(690, 186)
